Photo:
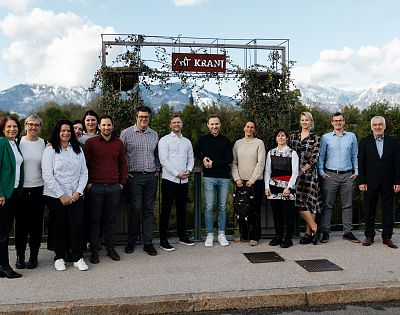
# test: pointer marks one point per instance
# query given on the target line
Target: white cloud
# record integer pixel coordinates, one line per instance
(336, 55)
(15, 5)
(49, 48)
(353, 68)
(188, 3)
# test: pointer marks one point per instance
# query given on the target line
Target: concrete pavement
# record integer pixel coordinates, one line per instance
(202, 279)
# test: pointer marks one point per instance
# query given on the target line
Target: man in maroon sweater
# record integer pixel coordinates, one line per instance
(106, 162)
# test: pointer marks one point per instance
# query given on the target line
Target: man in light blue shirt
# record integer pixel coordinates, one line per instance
(176, 158)
(338, 168)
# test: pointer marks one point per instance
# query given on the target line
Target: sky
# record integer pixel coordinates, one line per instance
(347, 44)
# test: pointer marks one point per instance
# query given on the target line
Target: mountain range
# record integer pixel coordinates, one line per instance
(26, 98)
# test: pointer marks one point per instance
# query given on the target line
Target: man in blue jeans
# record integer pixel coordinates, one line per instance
(215, 151)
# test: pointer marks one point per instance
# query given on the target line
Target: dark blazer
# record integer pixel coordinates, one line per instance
(7, 169)
(378, 172)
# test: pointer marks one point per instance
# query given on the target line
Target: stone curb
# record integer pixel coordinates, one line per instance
(214, 301)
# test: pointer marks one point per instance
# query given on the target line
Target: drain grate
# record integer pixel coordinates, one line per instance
(318, 265)
(263, 257)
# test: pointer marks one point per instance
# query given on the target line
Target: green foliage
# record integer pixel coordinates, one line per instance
(268, 101)
(51, 113)
(5, 113)
(193, 122)
(352, 116)
(161, 121)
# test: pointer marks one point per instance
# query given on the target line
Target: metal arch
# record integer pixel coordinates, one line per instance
(181, 41)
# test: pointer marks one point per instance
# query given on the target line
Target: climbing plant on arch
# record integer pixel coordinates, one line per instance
(260, 72)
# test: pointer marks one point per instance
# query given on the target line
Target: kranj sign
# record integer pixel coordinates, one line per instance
(182, 62)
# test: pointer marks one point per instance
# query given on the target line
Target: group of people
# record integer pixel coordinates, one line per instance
(81, 171)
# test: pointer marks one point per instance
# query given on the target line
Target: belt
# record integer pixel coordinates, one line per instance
(143, 173)
(339, 172)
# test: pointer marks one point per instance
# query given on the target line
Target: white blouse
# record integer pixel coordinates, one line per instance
(64, 172)
(18, 162)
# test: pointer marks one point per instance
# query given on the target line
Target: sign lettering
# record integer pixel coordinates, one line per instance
(182, 62)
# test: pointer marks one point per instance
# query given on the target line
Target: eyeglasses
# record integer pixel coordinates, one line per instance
(30, 125)
(143, 117)
(337, 121)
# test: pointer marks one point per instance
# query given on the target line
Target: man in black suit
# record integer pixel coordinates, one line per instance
(379, 175)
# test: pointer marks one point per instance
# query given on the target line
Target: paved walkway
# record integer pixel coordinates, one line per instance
(199, 278)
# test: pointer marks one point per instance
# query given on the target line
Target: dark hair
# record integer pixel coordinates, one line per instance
(175, 116)
(142, 109)
(283, 131)
(213, 116)
(89, 112)
(55, 137)
(3, 122)
(77, 121)
(251, 121)
(106, 116)
(337, 114)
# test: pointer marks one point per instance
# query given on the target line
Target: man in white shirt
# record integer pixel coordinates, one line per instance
(176, 158)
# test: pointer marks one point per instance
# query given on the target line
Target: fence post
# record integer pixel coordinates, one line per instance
(197, 203)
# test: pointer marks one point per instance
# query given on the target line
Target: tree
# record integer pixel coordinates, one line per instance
(50, 113)
(161, 120)
(193, 121)
(352, 117)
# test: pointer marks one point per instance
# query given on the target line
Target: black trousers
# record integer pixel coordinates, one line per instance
(371, 197)
(173, 192)
(63, 217)
(141, 192)
(251, 229)
(6, 221)
(104, 201)
(29, 220)
(283, 212)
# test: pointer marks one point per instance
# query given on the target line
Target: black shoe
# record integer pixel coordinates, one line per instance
(325, 237)
(306, 239)
(165, 246)
(130, 248)
(275, 241)
(286, 243)
(186, 241)
(20, 263)
(149, 249)
(350, 237)
(316, 237)
(32, 262)
(9, 273)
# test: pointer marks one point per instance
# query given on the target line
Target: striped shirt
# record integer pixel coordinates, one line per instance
(141, 149)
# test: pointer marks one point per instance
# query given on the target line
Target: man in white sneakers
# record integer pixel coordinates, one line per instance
(215, 152)
(176, 157)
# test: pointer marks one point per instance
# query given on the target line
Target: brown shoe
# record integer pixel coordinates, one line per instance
(94, 257)
(113, 254)
(368, 241)
(389, 243)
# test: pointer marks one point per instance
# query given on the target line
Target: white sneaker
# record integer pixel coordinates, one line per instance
(222, 240)
(81, 265)
(59, 264)
(209, 240)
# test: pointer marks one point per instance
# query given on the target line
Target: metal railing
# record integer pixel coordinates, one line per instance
(195, 209)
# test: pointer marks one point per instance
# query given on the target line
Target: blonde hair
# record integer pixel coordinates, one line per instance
(33, 117)
(309, 116)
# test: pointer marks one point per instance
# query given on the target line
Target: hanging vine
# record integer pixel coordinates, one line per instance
(263, 90)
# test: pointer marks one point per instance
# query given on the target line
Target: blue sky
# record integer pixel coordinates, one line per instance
(338, 43)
